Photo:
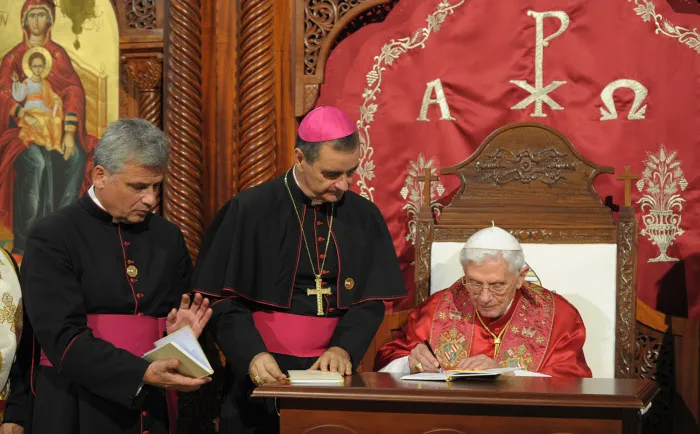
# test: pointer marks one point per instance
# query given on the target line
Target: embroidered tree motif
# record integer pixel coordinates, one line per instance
(663, 181)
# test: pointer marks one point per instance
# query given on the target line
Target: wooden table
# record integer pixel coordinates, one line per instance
(375, 402)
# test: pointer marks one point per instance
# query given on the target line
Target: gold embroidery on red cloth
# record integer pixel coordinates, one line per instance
(451, 347)
(530, 346)
(528, 332)
(524, 343)
(390, 54)
(516, 358)
(452, 329)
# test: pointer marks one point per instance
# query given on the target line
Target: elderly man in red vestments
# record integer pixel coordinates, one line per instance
(491, 318)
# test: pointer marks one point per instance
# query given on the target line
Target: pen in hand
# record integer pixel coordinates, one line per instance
(427, 344)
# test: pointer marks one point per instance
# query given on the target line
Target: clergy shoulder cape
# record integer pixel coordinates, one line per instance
(254, 246)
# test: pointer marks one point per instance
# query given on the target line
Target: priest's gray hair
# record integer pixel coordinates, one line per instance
(132, 140)
(514, 258)
(311, 150)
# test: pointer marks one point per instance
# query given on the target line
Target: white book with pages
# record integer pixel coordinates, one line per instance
(183, 347)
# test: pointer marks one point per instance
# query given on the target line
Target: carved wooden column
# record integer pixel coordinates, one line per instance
(257, 155)
(123, 96)
(425, 223)
(626, 293)
(183, 122)
(424, 238)
(147, 73)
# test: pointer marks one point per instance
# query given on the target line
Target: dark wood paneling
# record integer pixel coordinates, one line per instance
(345, 422)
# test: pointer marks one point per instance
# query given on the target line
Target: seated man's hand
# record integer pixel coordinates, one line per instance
(263, 369)
(422, 360)
(195, 315)
(477, 363)
(334, 359)
(163, 374)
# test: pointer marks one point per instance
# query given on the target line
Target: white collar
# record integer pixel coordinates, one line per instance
(508, 308)
(313, 202)
(93, 196)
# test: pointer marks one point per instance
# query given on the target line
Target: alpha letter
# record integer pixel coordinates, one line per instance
(430, 87)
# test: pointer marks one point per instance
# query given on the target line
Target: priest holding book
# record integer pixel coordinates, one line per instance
(491, 318)
(300, 267)
(102, 280)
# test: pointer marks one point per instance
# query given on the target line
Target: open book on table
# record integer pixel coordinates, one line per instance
(184, 347)
(457, 374)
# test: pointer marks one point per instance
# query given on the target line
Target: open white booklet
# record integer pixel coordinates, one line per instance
(184, 347)
(457, 374)
(400, 366)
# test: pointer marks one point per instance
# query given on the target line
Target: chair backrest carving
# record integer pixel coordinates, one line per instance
(530, 180)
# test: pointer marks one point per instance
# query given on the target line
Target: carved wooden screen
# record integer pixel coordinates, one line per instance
(530, 179)
(668, 351)
(319, 26)
(160, 81)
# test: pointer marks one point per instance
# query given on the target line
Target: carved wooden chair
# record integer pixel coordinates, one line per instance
(529, 180)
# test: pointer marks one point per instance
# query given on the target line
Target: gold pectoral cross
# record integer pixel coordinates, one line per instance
(319, 292)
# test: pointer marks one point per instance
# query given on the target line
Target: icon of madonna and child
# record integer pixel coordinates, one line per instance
(44, 144)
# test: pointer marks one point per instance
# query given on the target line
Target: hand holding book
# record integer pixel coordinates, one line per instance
(178, 362)
(164, 374)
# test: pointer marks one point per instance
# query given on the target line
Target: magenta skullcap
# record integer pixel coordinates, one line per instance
(325, 123)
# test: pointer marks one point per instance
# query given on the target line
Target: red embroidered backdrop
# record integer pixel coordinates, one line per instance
(619, 78)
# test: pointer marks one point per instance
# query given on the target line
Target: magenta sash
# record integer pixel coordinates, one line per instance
(135, 334)
(295, 335)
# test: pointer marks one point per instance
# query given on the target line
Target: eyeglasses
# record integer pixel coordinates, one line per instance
(476, 288)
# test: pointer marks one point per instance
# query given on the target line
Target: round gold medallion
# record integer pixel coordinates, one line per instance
(132, 271)
(349, 283)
